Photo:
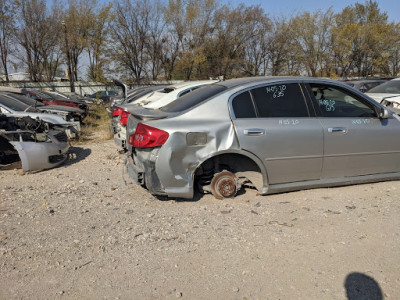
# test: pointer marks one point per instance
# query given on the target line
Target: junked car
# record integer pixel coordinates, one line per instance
(276, 134)
(34, 143)
(104, 95)
(172, 92)
(49, 99)
(364, 85)
(387, 93)
(118, 112)
(19, 102)
(11, 106)
(71, 96)
(133, 95)
(155, 99)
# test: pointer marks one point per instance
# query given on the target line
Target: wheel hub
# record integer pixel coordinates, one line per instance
(223, 185)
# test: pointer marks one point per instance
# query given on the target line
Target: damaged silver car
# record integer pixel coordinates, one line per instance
(275, 134)
(32, 143)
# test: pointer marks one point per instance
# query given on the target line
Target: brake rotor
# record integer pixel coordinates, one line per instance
(224, 185)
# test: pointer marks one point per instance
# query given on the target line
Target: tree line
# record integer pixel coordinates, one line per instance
(142, 40)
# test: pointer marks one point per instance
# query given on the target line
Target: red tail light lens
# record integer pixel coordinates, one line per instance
(124, 118)
(147, 137)
(117, 111)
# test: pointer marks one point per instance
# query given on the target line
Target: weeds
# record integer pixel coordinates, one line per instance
(96, 125)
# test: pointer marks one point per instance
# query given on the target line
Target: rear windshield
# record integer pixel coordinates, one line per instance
(139, 94)
(389, 87)
(193, 98)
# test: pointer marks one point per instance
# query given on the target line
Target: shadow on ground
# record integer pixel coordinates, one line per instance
(360, 286)
(76, 154)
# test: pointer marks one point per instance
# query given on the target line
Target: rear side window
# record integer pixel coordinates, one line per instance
(280, 100)
(192, 99)
(243, 106)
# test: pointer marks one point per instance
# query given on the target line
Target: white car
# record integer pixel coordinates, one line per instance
(387, 93)
(155, 100)
(172, 92)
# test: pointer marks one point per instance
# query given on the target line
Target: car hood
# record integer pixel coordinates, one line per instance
(384, 96)
(61, 108)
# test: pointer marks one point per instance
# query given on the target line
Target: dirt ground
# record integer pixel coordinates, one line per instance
(83, 231)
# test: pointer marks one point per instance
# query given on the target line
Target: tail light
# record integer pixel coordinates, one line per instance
(147, 137)
(117, 111)
(124, 118)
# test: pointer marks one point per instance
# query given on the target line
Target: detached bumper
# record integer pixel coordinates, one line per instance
(41, 155)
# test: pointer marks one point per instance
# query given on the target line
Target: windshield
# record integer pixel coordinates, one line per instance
(15, 105)
(28, 101)
(389, 87)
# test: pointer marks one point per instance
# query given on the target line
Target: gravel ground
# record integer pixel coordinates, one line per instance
(83, 231)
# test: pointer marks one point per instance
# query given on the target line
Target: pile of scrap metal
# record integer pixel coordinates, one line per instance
(34, 144)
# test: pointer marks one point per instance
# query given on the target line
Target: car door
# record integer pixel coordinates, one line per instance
(273, 122)
(356, 141)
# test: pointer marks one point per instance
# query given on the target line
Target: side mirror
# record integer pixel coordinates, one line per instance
(384, 113)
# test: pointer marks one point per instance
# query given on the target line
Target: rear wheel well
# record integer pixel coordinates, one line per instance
(242, 166)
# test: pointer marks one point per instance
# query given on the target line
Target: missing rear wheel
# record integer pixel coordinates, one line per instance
(224, 185)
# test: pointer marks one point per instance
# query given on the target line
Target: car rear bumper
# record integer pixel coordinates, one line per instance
(120, 136)
(141, 167)
(119, 141)
(143, 172)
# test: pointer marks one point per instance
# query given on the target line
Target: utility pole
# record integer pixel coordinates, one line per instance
(70, 75)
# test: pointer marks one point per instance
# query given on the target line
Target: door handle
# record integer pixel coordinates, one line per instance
(337, 130)
(254, 131)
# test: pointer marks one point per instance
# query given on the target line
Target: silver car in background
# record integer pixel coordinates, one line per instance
(277, 134)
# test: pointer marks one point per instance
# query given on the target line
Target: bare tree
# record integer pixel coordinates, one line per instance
(190, 25)
(79, 16)
(256, 49)
(311, 34)
(154, 41)
(7, 16)
(97, 38)
(233, 29)
(129, 30)
(37, 33)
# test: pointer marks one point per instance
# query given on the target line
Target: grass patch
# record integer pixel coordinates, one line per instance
(96, 125)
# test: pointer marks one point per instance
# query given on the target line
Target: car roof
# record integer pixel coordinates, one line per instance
(231, 83)
(190, 83)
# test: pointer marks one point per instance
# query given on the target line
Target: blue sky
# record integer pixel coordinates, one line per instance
(289, 8)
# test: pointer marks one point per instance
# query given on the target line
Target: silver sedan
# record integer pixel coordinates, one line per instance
(276, 134)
